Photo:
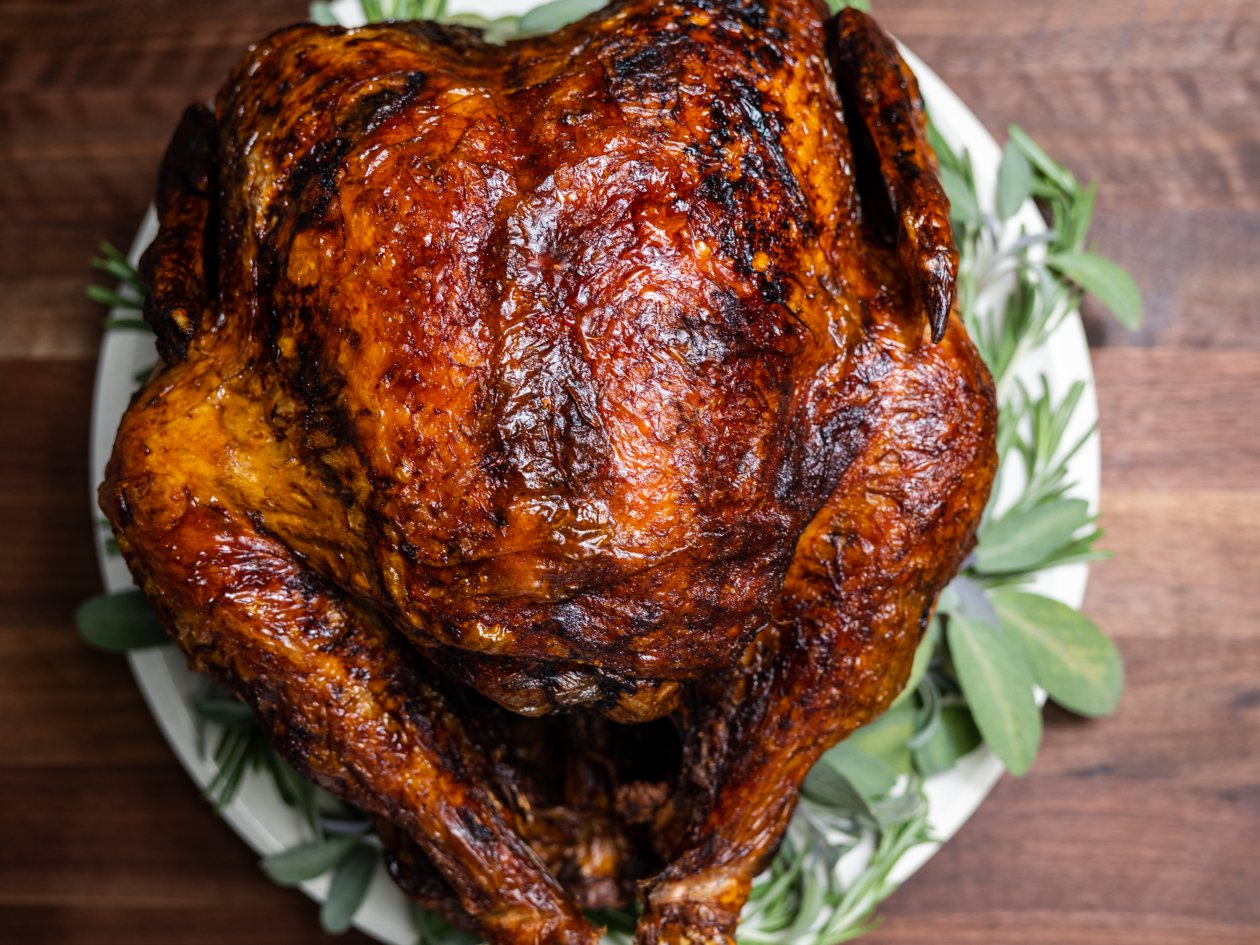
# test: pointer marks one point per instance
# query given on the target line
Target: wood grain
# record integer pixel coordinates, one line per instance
(1141, 828)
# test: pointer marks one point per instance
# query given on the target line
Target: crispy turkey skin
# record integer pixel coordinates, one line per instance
(514, 397)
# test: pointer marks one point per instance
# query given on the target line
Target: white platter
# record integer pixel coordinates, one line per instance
(261, 818)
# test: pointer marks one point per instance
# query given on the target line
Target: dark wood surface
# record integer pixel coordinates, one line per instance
(1143, 828)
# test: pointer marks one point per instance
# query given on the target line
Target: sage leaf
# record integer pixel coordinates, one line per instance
(963, 207)
(1014, 181)
(964, 596)
(1021, 539)
(308, 861)
(1106, 281)
(320, 12)
(551, 16)
(1071, 225)
(1070, 658)
(922, 659)
(349, 888)
(871, 776)
(954, 736)
(119, 622)
(887, 738)
(946, 156)
(999, 689)
(826, 786)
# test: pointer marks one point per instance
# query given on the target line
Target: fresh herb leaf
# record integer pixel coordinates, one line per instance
(384, 11)
(295, 790)
(887, 738)
(869, 775)
(896, 809)
(112, 261)
(1014, 181)
(348, 890)
(321, 13)
(131, 288)
(120, 622)
(114, 299)
(965, 596)
(551, 16)
(1051, 170)
(1104, 280)
(851, 910)
(922, 659)
(239, 750)
(831, 790)
(999, 689)
(964, 208)
(1071, 659)
(121, 271)
(1074, 213)
(954, 736)
(309, 861)
(1021, 540)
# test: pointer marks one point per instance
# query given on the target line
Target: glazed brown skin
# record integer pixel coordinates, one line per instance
(595, 372)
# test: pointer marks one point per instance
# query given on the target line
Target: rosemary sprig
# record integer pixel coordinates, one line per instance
(239, 750)
(119, 266)
(129, 294)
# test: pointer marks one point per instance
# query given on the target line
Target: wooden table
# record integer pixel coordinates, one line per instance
(1144, 828)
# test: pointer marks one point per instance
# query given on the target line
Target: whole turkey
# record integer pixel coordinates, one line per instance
(560, 444)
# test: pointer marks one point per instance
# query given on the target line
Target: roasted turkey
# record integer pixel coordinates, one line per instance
(559, 445)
